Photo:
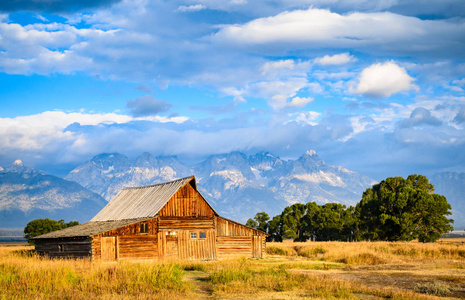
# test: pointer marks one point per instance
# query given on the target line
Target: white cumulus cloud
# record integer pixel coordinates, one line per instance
(337, 59)
(299, 102)
(384, 79)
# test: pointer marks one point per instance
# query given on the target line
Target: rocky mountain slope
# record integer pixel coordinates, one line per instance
(27, 194)
(235, 184)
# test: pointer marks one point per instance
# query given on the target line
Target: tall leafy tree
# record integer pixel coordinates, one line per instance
(42, 226)
(331, 220)
(275, 229)
(399, 209)
(262, 220)
(251, 223)
(292, 222)
(309, 222)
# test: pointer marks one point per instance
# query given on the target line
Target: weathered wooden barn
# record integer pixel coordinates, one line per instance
(165, 221)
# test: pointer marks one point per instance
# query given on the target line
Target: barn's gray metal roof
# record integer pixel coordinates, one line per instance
(141, 202)
(88, 229)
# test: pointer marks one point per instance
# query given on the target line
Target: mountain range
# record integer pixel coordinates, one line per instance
(236, 185)
(27, 194)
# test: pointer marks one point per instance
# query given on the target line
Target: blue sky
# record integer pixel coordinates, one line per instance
(374, 86)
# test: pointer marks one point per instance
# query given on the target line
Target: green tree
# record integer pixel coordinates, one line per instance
(399, 209)
(251, 223)
(293, 226)
(308, 222)
(69, 224)
(42, 226)
(330, 222)
(275, 229)
(262, 221)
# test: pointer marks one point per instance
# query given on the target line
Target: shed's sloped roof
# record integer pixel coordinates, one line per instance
(141, 202)
(89, 229)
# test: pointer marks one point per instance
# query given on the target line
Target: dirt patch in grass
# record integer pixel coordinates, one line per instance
(202, 288)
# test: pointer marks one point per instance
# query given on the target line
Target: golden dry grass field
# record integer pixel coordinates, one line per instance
(313, 270)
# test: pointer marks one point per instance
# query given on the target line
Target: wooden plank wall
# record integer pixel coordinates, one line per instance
(188, 248)
(236, 240)
(186, 202)
(197, 249)
(71, 247)
(230, 228)
(141, 247)
(188, 223)
(129, 230)
(238, 246)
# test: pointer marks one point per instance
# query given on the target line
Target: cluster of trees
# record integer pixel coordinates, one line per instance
(42, 226)
(396, 209)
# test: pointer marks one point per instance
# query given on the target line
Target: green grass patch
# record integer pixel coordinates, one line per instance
(434, 288)
(273, 250)
(363, 259)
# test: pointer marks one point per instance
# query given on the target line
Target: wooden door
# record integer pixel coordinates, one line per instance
(167, 245)
(257, 246)
(108, 248)
(171, 247)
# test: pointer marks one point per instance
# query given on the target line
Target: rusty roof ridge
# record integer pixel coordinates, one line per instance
(163, 183)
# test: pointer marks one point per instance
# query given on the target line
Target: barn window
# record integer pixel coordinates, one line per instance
(202, 235)
(144, 228)
(193, 235)
(60, 248)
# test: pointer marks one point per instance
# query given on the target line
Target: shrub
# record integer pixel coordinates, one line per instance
(436, 288)
(310, 252)
(276, 251)
(363, 259)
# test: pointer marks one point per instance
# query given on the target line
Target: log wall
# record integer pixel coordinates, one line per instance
(141, 247)
(235, 240)
(230, 247)
(69, 247)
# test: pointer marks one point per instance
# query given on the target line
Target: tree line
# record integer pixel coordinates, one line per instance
(42, 226)
(396, 209)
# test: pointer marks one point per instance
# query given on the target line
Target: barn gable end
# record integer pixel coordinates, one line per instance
(167, 221)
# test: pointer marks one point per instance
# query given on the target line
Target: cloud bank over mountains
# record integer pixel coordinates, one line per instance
(378, 87)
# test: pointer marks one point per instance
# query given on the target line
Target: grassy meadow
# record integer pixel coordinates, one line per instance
(315, 270)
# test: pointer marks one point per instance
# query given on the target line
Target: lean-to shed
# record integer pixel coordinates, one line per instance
(164, 221)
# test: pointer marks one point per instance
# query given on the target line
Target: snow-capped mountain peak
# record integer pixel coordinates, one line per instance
(310, 153)
(19, 168)
(107, 173)
(233, 183)
(18, 162)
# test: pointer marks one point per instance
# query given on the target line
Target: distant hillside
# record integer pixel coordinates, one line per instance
(27, 194)
(237, 185)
